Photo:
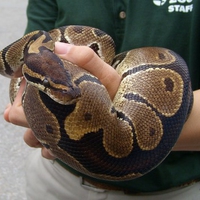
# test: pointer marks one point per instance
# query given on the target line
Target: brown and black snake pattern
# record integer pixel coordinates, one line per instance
(71, 113)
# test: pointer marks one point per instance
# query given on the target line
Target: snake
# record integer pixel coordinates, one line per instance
(72, 114)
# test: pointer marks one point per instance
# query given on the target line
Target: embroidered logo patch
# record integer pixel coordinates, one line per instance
(184, 6)
(159, 2)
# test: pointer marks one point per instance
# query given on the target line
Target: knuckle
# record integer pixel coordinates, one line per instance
(30, 139)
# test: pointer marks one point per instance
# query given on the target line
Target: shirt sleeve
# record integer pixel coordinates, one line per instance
(41, 15)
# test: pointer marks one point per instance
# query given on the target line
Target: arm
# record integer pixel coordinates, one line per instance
(190, 135)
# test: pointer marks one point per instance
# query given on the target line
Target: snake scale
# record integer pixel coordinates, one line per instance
(71, 113)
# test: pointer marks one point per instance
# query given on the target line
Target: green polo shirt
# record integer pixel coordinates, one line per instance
(173, 24)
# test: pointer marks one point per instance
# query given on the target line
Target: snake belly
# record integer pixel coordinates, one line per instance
(71, 113)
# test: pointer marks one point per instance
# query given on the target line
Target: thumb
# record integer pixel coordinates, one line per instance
(87, 59)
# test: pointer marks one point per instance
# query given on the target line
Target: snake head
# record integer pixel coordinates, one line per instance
(46, 71)
(12, 56)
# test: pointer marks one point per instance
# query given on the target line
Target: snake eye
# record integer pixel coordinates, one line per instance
(45, 83)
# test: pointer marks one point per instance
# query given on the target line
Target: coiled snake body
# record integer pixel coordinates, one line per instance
(71, 113)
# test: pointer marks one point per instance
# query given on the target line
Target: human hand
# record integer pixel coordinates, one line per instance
(89, 61)
(86, 59)
(14, 114)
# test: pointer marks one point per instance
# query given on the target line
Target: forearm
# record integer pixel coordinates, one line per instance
(189, 139)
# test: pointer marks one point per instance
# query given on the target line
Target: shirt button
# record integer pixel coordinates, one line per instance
(122, 15)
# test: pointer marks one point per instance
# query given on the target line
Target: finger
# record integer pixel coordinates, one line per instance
(15, 113)
(89, 60)
(6, 112)
(30, 139)
(47, 154)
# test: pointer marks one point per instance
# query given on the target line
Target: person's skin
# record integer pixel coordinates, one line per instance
(189, 139)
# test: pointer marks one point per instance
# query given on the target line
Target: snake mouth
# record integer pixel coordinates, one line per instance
(64, 97)
(64, 93)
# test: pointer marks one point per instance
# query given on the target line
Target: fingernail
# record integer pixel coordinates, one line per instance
(62, 48)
